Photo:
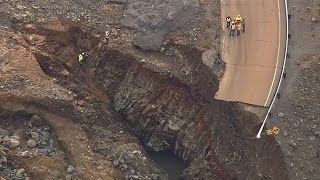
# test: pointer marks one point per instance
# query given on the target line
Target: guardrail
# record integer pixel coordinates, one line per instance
(282, 70)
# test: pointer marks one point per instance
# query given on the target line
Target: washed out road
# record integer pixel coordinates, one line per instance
(254, 59)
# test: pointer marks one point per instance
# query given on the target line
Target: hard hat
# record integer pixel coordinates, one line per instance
(82, 53)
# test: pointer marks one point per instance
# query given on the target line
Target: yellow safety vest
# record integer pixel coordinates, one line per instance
(238, 18)
(80, 57)
(228, 19)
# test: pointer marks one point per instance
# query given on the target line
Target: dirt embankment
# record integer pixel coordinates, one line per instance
(91, 134)
(175, 113)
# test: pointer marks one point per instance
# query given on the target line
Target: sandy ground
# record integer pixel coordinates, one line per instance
(253, 59)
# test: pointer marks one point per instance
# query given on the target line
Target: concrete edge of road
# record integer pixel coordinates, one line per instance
(282, 70)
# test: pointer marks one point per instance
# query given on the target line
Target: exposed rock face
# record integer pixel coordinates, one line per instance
(180, 115)
(154, 19)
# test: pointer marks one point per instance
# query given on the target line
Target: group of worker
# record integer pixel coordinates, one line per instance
(235, 25)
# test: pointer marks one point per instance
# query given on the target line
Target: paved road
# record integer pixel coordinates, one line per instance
(254, 59)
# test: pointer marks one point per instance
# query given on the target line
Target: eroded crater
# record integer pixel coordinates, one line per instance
(167, 112)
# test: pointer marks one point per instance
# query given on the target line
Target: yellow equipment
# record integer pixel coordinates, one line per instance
(272, 131)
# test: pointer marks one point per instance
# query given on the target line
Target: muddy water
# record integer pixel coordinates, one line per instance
(173, 165)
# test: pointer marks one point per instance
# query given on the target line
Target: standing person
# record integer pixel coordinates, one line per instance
(81, 58)
(107, 36)
(243, 25)
(238, 27)
(232, 28)
(228, 19)
(105, 40)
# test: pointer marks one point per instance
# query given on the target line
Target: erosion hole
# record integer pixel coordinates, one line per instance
(169, 114)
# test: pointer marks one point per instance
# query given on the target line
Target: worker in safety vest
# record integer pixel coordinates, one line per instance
(238, 27)
(228, 19)
(232, 28)
(81, 58)
(238, 18)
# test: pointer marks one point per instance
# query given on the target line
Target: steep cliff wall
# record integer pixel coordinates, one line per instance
(168, 110)
(179, 114)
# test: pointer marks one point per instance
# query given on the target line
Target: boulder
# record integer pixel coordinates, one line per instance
(69, 177)
(31, 143)
(281, 114)
(3, 159)
(4, 132)
(34, 135)
(15, 137)
(154, 176)
(24, 154)
(65, 72)
(171, 15)
(36, 121)
(51, 142)
(20, 7)
(14, 143)
(5, 139)
(70, 169)
(20, 173)
(314, 19)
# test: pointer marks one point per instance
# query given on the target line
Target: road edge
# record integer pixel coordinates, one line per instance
(282, 70)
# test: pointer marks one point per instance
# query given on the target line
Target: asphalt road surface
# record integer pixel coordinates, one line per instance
(255, 58)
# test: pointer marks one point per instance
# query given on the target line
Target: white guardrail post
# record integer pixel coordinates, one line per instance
(282, 71)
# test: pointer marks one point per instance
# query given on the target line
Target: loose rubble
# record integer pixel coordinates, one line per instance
(6, 144)
(37, 141)
(41, 138)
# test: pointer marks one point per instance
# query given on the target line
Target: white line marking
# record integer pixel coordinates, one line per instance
(275, 71)
(284, 64)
